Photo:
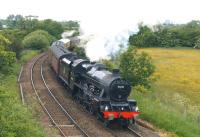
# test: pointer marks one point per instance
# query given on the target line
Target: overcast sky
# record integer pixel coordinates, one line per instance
(106, 18)
(106, 13)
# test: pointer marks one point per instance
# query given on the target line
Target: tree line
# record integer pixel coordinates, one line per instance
(167, 35)
(18, 33)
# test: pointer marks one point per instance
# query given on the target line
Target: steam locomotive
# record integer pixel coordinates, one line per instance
(102, 92)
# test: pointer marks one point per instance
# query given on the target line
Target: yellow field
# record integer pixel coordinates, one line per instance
(179, 74)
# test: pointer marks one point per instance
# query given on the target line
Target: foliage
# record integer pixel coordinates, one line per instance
(27, 55)
(109, 64)
(167, 35)
(136, 68)
(174, 102)
(1, 25)
(197, 44)
(70, 25)
(15, 36)
(80, 51)
(38, 39)
(52, 27)
(28, 23)
(144, 38)
(4, 42)
(6, 57)
(16, 120)
(165, 116)
(141, 89)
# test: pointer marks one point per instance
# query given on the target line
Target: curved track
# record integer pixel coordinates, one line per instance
(57, 114)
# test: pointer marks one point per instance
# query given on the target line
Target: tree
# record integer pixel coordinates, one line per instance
(15, 36)
(144, 38)
(38, 39)
(7, 58)
(52, 27)
(197, 45)
(167, 35)
(28, 23)
(70, 25)
(10, 21)
(135, 67)
(109, 64)
(1, 25)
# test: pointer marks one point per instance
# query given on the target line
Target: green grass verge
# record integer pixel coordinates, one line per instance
(28, 54)
(174, 101)
(15, 119)
(166, 117)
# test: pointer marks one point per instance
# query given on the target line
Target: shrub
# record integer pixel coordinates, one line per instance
(38, 39)
(135, 67)
(7, 58)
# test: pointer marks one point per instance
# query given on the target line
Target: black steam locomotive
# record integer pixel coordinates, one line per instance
(102, 92)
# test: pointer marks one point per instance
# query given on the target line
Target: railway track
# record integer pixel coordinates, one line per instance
(59, 117)
(134, 132)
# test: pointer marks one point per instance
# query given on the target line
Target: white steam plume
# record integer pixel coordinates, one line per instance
(105, 41)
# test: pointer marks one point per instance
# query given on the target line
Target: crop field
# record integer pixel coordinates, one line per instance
(173, 102)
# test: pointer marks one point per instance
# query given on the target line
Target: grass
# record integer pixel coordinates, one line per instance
(15, 119)
(28, 54)
(174, 101)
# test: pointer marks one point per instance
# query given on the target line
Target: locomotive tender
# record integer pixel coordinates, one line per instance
(103, 93)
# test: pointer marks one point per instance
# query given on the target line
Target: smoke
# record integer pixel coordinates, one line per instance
(105, 43)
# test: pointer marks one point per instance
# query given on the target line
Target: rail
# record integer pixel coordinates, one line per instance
(43, 106)
(133, 131)
(63, 109)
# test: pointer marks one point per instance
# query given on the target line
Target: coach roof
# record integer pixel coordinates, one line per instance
(60, 51)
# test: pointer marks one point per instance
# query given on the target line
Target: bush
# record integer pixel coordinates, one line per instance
(7, 58)
(16, 120)
(15, 36)
(109, 64)
(136, 68)
(38, 39)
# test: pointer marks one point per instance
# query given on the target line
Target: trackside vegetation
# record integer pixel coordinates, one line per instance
(15, 119)
(38, 40)
(172, 103)
(20, 40)
(136, 67)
